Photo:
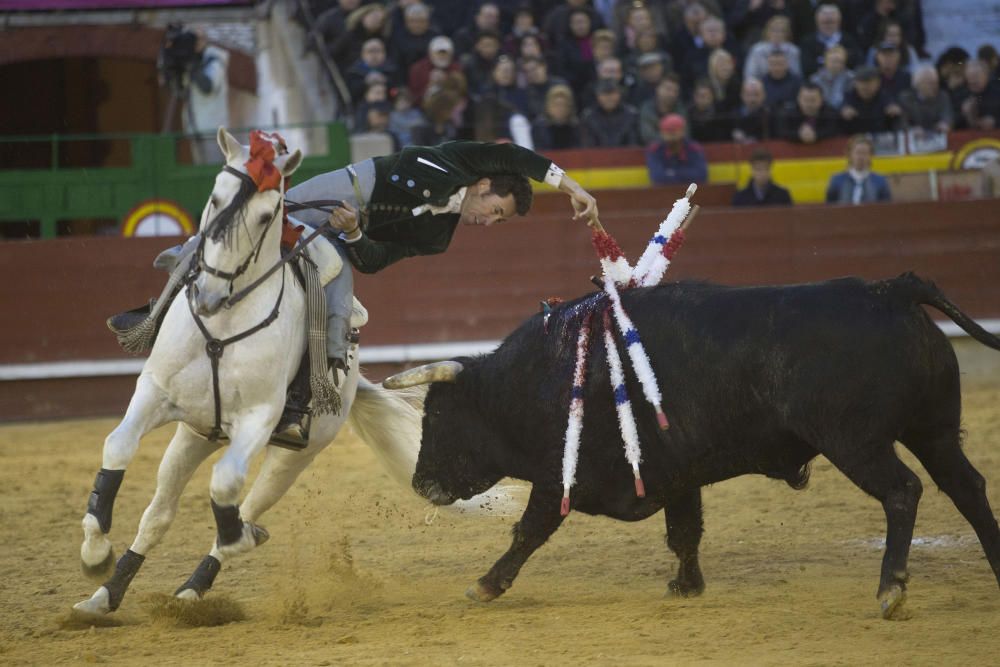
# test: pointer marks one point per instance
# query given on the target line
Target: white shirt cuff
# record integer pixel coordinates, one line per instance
(554, 175)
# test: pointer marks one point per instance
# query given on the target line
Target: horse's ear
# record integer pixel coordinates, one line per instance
(289, 163)
(230, 147)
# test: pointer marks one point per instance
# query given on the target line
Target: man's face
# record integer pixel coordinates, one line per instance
(487, 47)
(760, 172)
(610, 68)
(828, 21)
(536, 71)
(488, 17)
(378, 120)
(373, 53)
(867, 89)
(861, 156)
(417, 23)
(810, 101)
(441, 58)
(559, 109)
(485, 208)
(976, 76)
(579, 24)
(752, 95)
(777, 65)
(713, 33)
(926, 85)
(668, 92)
(609, 100)
(503, 72)
(835, 62)
(702, 98)
(672, 137)
(651, 73)
(888, 61)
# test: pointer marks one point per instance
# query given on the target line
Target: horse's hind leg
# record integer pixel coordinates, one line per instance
(279, 471)
(184, 454)
(942, 457)
(147, 410)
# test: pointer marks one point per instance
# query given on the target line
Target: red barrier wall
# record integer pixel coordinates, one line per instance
(55, 295)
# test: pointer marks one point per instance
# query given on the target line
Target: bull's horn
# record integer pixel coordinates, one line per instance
(441, 371)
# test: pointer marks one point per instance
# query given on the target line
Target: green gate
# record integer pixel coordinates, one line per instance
(154, 173)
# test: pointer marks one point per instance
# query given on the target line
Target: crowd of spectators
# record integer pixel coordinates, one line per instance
(587, 73)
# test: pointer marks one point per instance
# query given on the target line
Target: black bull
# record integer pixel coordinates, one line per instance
(755, 380)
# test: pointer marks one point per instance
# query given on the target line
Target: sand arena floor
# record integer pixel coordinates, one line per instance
(354, 575)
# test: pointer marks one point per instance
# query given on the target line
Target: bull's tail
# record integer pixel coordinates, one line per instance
(926, 292)
(390, 423)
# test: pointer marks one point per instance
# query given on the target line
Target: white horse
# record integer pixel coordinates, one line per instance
(241, 233)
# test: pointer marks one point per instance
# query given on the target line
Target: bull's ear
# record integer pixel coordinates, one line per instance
(230, 147)
(289, 163)
(442, 371)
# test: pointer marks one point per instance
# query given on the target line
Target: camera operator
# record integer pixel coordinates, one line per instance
(195, 73)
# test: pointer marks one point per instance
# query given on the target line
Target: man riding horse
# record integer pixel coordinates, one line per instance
(406, 204)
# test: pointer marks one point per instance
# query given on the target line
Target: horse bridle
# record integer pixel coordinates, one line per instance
(214, 347)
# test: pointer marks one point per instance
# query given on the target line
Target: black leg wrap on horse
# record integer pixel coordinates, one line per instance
(126, 569)
(227, 519)
(203, 577)
(102, 498)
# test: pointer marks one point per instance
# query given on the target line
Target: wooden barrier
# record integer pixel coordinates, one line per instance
(55, 295)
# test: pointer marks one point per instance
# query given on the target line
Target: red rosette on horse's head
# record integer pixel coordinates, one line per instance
(264, 147)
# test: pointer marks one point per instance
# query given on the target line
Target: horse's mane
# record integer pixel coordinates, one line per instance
(222, 227)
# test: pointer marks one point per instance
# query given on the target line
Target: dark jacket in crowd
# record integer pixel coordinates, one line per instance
(754, 124)
(896, 84)
(780, 91)
(813, 50)
(773, 195)
(790, 119)
(549, 136)
(918, 112)
(620, 127)
(871, 114)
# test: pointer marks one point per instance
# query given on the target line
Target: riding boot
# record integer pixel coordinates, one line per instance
(135, 324)
(292, 428)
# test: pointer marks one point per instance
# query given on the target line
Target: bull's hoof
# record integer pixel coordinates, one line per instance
(101, 571)
(99, 604)
(480, 593)
(680, 589)
(891, 602)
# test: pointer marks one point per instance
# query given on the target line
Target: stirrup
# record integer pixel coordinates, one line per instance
(292, 431)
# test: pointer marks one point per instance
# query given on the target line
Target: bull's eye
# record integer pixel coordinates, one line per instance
(264, 218)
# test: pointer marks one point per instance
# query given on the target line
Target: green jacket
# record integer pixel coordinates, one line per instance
(428, 175)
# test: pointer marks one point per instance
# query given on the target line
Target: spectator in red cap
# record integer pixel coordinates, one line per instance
(675, 159)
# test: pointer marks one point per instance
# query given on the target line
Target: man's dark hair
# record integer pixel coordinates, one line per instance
(809, 85)
(513, 184)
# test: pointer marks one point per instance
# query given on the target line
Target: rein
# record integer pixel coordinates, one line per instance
(215, 347)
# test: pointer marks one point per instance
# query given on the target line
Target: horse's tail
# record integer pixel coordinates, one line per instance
(390, 423)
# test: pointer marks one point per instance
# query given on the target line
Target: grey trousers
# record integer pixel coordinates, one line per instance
(340, 290)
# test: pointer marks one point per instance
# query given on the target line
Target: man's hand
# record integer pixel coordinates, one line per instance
(345, 219)
(584, 204)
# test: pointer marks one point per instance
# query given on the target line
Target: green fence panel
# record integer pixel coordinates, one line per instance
(54, 194)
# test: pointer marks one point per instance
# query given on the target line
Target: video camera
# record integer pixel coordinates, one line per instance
(178, 55)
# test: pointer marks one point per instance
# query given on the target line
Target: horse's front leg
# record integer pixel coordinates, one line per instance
(148, 409)
(248, 436)
(184, 454)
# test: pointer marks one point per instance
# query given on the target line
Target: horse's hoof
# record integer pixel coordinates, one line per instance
(479, 593)
(98, 605)
(101, 571)
(891, 602)
(259, 533)
(189, 594)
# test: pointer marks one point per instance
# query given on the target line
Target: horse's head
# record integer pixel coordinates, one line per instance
(241, 220)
